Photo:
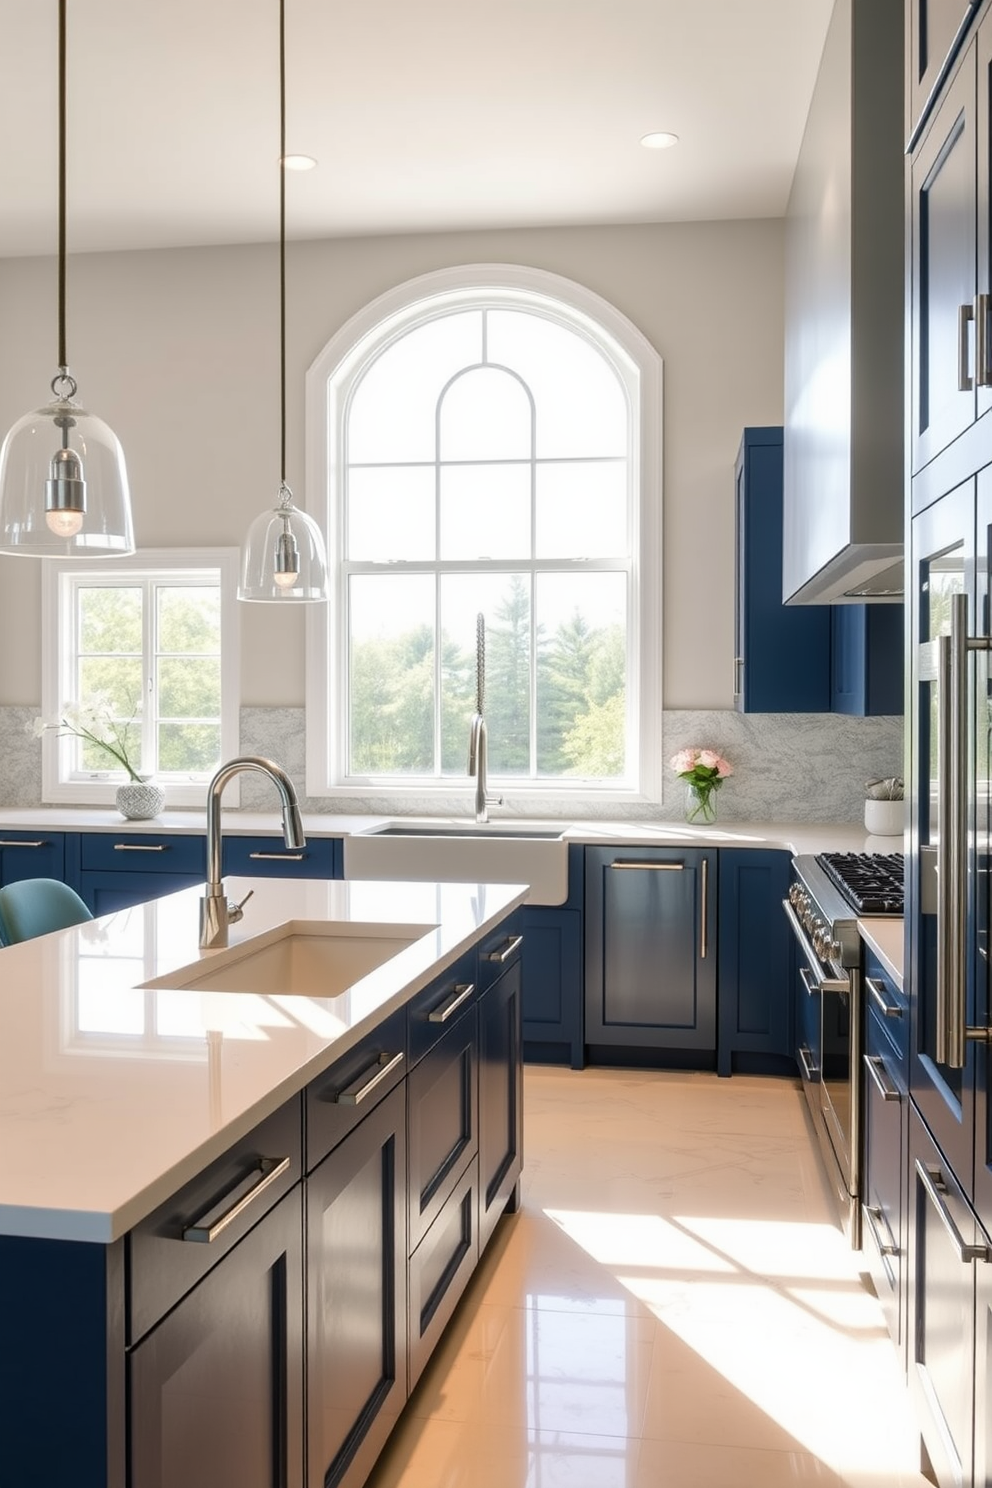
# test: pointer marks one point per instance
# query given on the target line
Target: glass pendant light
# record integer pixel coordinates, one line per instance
(283, 558)
(63, 481)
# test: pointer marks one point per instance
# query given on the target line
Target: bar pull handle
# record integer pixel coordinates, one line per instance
(260, 857)
(5, 843)
(877, 990)
(966, 314)
(935, 1188)
(269, 1169)
(738, 669)
(649, 867)
(875, 1065)
(873, 1218)
(506, 951)
(703, 928)
(362, 1088)
(808, 981)
(461, 994)
(810, 1072)
(139, 847)
(983, 372)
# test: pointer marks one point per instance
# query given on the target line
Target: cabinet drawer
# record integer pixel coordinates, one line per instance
(500, 949)
(231, 1195)
(432, 1010)
(440, 1268)
(354, 1085)
(885, 1001)
(882, 1212)
(442, 1101)
(268, 857)
(31, 855)
(141, 852)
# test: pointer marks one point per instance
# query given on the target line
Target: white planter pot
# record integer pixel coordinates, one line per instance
(140, 800)
(885, 818)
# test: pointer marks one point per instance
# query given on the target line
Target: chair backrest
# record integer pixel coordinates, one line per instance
(35, 906)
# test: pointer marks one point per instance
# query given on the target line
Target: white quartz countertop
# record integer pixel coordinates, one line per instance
(793, 837)
(114, 1094)
(885, 938)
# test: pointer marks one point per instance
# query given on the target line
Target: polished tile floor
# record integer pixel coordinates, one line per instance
(673, 1307)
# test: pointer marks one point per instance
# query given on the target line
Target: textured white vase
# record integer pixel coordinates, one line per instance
(885, 818)
(139, 800)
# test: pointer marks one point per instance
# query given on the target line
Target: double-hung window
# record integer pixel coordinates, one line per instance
(489, 453)
(153, 639)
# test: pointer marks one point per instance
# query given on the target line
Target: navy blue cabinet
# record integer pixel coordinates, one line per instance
(31, 855)
(268, 857)
(886, 1135)
(755, 1026)
(118, 871)
(782, 652)
(800, 658)
(866, 659)
(552, 973)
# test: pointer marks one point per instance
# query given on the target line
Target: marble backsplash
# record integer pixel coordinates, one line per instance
(787, 767)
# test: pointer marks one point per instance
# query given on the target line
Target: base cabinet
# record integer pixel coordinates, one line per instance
(216, 1389)
(356, 1297)
(501, 1096)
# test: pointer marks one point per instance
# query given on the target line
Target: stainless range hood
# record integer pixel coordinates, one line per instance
(844, 410)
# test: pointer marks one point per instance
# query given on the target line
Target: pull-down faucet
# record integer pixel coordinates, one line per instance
(217, 912)
(478, 749)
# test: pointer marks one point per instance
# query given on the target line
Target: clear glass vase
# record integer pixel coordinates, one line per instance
(700, 804)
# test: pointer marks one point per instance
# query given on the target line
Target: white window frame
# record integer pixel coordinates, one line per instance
(329, 384)
(61, 578)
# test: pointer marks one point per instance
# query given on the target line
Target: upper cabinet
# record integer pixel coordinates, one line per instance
(844, 313)
(800, 658)
(934, 29)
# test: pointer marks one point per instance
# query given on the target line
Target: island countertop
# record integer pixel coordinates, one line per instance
(114, 1093)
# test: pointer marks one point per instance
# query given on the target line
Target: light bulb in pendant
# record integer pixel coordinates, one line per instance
(65, 493)
(287, 564)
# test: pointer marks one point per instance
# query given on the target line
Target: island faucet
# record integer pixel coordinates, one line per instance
(217, 912)
(478, 750)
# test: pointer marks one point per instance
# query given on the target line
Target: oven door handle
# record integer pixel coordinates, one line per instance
(823, 984)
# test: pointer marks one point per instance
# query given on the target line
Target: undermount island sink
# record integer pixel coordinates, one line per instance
(456, 851)
(321, 961)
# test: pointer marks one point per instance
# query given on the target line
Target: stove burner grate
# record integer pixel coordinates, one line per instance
(871, 882)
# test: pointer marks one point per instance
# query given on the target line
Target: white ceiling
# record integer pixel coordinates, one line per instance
(424, 115)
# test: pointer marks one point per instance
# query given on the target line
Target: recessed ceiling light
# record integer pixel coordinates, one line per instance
(659, 141)
(299, 162)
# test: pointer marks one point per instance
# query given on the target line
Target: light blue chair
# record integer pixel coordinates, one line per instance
(35, 906)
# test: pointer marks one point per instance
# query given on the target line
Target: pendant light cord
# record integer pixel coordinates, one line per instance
(62, 70)
(282, 241)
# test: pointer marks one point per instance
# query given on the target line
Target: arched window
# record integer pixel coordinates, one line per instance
(487, 440)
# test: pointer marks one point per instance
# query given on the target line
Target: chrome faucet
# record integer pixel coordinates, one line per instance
(217, 912)
(478, 749)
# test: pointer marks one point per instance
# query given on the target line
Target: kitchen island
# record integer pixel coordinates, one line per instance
(227, 1207)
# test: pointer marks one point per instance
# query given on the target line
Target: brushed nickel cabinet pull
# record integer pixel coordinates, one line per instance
(875, 1065)
(360, 1089)
(810, 1071)
(966, 314)
(705, 914)
(513, 944)
(649, 867)
(935, 1188)
(462, 992)
(873, 1215)
(277, 857)
(139, 847)
(983, 372)
(877, 990)
(5, 843)
(269, 1169)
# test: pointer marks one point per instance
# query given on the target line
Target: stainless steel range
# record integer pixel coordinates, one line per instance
(828, 895)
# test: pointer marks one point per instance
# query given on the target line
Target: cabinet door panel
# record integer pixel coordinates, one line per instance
(934, 27)
(755, 955)
(106, 893)
(944, 270)
(500, 1099)
(440, 1268)
(885, 1117)
(356, 1303)
(441, 1104)
(31, 855)
(216, 1392)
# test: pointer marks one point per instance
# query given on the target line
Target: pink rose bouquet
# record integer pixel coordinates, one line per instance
(703, 771)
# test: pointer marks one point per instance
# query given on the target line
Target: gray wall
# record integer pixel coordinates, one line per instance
(178, 351)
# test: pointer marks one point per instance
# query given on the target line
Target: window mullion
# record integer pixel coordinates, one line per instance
(149, 679)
